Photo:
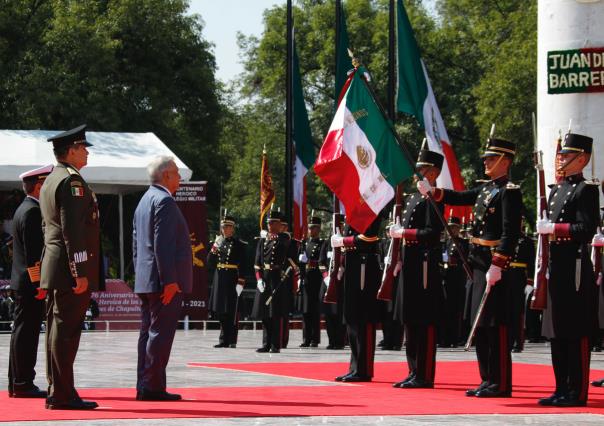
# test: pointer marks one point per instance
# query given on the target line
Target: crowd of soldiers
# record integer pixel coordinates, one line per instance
(476, 278)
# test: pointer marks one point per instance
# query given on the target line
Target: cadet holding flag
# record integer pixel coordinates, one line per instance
(71, 263)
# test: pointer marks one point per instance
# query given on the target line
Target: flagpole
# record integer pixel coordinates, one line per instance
(403, 147)
(289, 117)
(336, 202)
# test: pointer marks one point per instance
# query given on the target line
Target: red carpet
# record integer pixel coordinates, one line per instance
(376, 398)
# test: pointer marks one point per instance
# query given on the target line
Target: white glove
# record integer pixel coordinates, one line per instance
(337, 240)
(263, 233)
(528, 289)
(396, 230)
(397, 268)
(326, 281)
(340, 272)
(303, 258)
(598, 239)
(545, 226)
(239, 289)
(330, 254)
(493, 275)
(260, 285)
(424, 187)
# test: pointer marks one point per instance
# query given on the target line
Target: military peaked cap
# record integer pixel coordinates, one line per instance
(70, 137)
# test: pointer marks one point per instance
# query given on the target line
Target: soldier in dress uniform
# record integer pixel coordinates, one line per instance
(310, 284)
(495, 232)
(274, 264)
(25, 283)
(521, 270)
(454, 285)
(332, 312)
(391, 327)
(571, 314)
(362, 277)
(289, 283)
(226, 263)
(418, 300)
(71, 263)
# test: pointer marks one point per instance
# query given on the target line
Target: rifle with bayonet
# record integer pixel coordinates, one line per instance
(335, 263)
(385, 291)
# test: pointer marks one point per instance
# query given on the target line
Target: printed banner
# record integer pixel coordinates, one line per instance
(575, 71)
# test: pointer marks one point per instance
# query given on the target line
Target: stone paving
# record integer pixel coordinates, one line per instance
(109, 360)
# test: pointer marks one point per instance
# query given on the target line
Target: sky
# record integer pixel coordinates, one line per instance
(224, 18)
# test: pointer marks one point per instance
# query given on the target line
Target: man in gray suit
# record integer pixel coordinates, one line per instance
(163, 265)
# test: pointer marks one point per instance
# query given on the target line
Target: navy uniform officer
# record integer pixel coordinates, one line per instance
(311, 279)
(418, 300)
(71, 263)
(226, 260)
(495, 232)
(28, 241)
(361, 308)
(570, 317)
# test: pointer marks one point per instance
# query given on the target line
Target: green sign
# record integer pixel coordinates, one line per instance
(575, 71)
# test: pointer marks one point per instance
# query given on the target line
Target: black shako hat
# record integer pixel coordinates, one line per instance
(273, 216)
(74, 136)
(228, 220)
(430, 159)
(314, 221)
(497, 147)
(574, 143)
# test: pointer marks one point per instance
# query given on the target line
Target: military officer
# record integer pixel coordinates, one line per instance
(454, 283)
(71, 263)
(332, 312)
(495, 232)
(274, 264)
(571, 314)
(521, 273)
(25, 283)
(226, 261)
(419, 292)
(362, 276)
(310, 284)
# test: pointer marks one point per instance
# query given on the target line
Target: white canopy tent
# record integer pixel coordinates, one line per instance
(117, 163)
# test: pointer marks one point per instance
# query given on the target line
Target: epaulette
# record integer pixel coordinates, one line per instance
(72, 171)
(511, 185)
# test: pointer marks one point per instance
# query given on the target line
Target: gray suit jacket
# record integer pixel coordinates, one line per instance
(161, 247)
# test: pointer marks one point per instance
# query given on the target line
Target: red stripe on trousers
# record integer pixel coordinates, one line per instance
(430, 353)
(503, 357)
(370, 347)
(585, 354)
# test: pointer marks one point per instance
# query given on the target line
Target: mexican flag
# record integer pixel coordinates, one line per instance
(360, 160)
(414, 96)
(305, 153)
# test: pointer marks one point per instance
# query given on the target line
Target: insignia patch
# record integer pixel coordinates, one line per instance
(80, 256)
(363, 157)
(77, 191)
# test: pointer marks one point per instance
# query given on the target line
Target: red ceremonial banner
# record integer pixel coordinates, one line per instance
(191, 198)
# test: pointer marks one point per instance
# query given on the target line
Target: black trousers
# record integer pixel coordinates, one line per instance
(336, 331)
(393, 333)
(158, 326)
(311, 332)
(229, 328)
(421, 351)
(29, 314)
(272, 332)
(65, 313)
(571, 359)
(494, 357)
(361, 337)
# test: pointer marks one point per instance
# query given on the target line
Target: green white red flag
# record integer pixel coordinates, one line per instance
(360, 160)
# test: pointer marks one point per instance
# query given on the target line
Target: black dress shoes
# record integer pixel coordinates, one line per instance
(304, 345)
(74, 404)
(341, 378)
(417, 384)
(314, 345)
(275, 350)
(473, 392)
(493, 393)
(598, 383)
(145, 395)
(410, 377)
(355, 378)
(34, 392)
(263, 349)
(221, 345)
(549, 401)
(569, 400)
(233, 345)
